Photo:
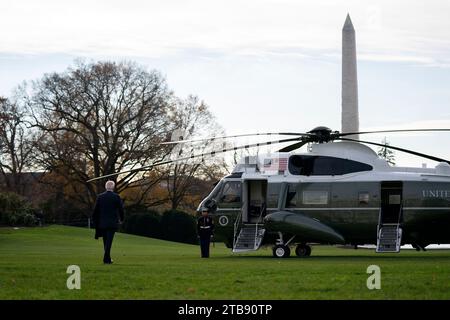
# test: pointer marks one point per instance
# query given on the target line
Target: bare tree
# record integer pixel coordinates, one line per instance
(100, 118)
(149, 191)
(191, 118)
(3, 116)
(17, 144)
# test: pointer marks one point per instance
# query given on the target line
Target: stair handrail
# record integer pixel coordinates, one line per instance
(379, 221)
(263, 207)
(399, 214)
(398, 226)
(379, 227)
(236, 224)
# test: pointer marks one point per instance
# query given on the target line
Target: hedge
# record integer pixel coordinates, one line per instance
(172, 225)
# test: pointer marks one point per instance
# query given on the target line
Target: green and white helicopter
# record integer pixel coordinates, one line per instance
(338, 192)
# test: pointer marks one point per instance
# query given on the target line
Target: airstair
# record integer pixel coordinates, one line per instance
(248, 236)
(389, 237)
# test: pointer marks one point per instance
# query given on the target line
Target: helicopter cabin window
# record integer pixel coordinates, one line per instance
(363, 198)
(230, 197)
(315, 197)
(324, 166)
(395, 199)
(291, 199)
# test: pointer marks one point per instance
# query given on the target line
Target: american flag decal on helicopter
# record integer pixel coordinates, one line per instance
(275, 164)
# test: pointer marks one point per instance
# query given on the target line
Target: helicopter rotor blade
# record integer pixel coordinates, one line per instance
(294, 146)
(207, 154)
(423, 155)
(239, 135)
(391, 131)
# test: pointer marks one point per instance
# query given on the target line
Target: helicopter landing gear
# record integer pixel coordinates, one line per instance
(303, 250)
(281, 249)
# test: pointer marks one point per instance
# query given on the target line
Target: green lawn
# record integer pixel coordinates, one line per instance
(33, 263)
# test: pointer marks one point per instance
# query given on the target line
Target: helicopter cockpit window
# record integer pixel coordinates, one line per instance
(324, 166)
(215, 192)
(230, 197)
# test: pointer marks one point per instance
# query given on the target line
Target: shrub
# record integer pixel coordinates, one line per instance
(179, 226)
(145, 223)
(15, 210)
(173, 225)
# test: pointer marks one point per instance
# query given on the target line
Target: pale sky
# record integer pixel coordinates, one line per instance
(262, 65)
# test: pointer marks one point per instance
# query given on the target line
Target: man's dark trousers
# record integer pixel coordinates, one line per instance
(107, 213)
(204, 245)
(108, 237)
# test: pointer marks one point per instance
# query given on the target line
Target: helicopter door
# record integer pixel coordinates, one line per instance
(254, 209)
(389, 231)
(391, 202)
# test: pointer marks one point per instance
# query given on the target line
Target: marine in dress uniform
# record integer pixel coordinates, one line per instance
(205, 229)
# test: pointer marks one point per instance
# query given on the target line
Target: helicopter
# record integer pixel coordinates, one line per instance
(339, 192)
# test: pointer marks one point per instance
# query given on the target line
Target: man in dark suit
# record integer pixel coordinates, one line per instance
(108, 213)
(205, 229)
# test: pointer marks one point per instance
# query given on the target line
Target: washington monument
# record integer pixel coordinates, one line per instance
(350, 116)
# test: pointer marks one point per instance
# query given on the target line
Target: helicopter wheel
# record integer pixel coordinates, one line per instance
(281, 251)
(303, 250)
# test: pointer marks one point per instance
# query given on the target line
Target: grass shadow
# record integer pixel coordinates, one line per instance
(336, 258)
